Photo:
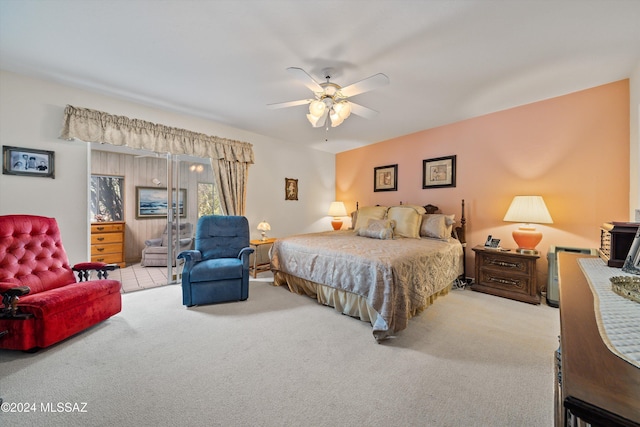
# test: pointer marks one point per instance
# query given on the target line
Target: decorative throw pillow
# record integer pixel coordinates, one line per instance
(377, 229)
(407, 219)
(363, 215)
(437, 226)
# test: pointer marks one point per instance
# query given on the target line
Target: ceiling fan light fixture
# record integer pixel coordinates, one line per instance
(343, 108)
(330, 101)
(336, 120)
(317, 108)
(313, 119)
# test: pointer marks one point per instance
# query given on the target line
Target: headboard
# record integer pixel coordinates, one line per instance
(458, 232)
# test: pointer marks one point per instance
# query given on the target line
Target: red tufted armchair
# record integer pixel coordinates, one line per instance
(42, 303)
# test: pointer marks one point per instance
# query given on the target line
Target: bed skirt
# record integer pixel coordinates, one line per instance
(343, 301)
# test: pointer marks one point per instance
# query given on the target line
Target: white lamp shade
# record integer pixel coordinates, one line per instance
(313, 119)
(529, 210)
(337, 209)
(343, 108)
(316, 108)
(264, 226)
(336, 120)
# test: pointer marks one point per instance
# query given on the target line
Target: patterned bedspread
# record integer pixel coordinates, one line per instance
(396, 277)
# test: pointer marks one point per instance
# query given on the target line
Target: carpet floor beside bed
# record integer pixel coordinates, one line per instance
(280, 359)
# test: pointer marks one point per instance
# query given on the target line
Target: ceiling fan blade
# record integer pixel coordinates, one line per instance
(289, 104)
(361, 111)
(302, 76)
(370, 83)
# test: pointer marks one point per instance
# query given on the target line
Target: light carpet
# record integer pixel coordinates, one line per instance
(280, 359)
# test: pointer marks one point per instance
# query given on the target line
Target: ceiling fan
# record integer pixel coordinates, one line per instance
(331, 100)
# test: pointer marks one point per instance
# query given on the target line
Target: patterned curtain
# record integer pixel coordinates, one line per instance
(230, 159)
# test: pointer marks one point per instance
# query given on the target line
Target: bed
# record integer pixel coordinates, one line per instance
(370, 272)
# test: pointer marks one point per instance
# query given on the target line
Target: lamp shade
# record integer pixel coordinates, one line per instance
(264, 227)
(528, 209)
(337, 210)
(316, 108)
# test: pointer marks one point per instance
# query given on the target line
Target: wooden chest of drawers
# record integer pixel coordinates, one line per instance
(506, 274)
(107, 242)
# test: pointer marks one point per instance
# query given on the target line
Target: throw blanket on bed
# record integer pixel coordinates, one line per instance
(396, 277)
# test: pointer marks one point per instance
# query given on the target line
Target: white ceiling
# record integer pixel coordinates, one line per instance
(447, 60)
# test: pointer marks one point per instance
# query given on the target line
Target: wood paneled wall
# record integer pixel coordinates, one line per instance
(139, 171)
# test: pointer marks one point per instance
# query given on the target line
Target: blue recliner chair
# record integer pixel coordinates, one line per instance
(218, 269)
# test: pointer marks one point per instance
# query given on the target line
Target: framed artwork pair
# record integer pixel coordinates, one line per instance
(439, 172)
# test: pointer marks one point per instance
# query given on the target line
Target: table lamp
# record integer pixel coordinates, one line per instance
(337, 210)
(264, 227)
(528, 210)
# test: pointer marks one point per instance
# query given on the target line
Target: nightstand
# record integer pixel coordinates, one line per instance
(506, 274)
(260, 258)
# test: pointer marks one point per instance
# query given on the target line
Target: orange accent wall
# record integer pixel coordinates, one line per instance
(573, 150)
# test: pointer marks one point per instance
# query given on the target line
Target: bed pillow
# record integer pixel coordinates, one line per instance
(377, 229)
(363, 215)
(437, 226)
(407, 219)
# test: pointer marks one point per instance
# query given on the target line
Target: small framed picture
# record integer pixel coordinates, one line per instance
(385, 178)
(290, 189)
(27, 162)
(439, 172)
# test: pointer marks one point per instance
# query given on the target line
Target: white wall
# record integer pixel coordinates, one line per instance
(31, 113)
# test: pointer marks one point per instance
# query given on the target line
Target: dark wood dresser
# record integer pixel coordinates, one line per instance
(593, 386)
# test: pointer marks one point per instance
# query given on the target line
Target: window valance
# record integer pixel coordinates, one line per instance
(97, 126)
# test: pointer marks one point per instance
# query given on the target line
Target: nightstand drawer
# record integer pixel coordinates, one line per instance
(507, 282)
(503, 262)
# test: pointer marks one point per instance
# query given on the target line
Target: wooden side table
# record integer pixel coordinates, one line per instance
(506, 274)
(258, 264)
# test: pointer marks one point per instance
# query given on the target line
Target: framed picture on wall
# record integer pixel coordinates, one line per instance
(151, 202)
(290, 189)
(439, 172)
(385, 178)
(28, 162)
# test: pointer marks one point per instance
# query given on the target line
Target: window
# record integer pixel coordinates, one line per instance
(106, 198)
(208, 200)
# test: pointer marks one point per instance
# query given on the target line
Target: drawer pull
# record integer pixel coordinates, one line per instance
(99, 239)
(100, 249)
(504, 263)
(100, 228)
(100, 259)
(510, 282)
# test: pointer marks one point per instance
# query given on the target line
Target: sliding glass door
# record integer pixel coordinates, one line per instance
(162, 197)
